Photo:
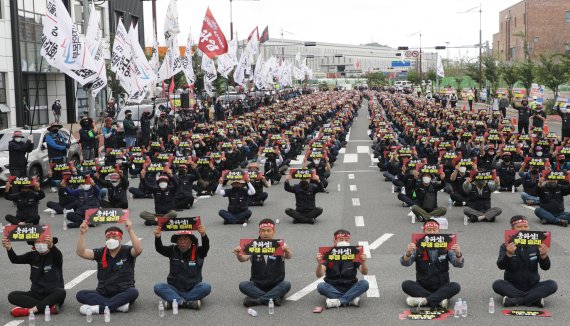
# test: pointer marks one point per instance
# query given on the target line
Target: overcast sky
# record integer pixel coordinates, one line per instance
(389, 22)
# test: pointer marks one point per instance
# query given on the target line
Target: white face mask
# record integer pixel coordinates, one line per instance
(115, 183)
(196, 145)
(41, 248)
(491, 152)
(119, 162)
(426, 179)
(539, 154)
(112, 244)
(229, 152)
(163, 185)
(317, 162)
(343, 244)
(18, 139)
(462, 169)
(86, 187)
(217, 161)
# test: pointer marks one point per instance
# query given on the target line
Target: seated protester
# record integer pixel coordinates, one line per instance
(506, 173)
(425, 206)
(207, 176)
(184, 198)
(87, 197)
(115, 271)
(551, 210)
(479, 200)
(340, 286)
(64, 202)
(145, 179)
(271, 163)
(393, 167)
(406, 182)
(323, 169)
(485, 161)
(530, 186)
(560, 164)
(458, 196)
(26, 199)
(46, 274)
(238, 197)
(258, 183)
(267, 273)
(305, 192)
(164, 198)
(117, 190)
(521, 285)
(184, 282)
(432, 286)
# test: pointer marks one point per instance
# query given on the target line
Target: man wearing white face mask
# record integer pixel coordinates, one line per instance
(426, 198)
(458, 196)
(46, 275)
(87, 197)
(340, 286)
(115, 271)
(18, 148)
(164, 198)
(117, 190)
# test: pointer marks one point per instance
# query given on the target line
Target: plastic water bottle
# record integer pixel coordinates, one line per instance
(393, 189)
(107, 314)
(403, 190)
(89, 316)
(47, 314)
(174, 307)
(252, 312)
(449, 203)
(457, 309)
(338, 187)
(271, 306)
(465, 220)
(64, 224)
(513, 189)
(491, 306)
(464, 309)
(413, 218)
(160, 309)
(52, 213)
(32, 319)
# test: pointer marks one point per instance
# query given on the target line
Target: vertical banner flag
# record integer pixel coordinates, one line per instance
(93, 37)
(440, 73)
(264, 35)
(212, 40)
(187, 60)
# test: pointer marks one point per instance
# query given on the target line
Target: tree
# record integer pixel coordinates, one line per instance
(509, 75)
(491, 73)
(430, 75)
(525, 73)
(472, 70)
(414, 77)
(375, 78)
(550, 72)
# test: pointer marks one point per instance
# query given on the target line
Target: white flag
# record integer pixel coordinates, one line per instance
(258, 75)
(225, 65)
(172, 63)
(209, 69)
(440, 73)
(187, 60)
(171, 26)
(94, 44)
(232, 51)
(142, 67)
(245, 62)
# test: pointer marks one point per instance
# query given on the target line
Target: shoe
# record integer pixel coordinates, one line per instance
(148, 196)
(53, 190)
(507, 302)
(416, 301)
(542, 221)
(473, 219)
(20, 312)
(492, 219)
(194, 304)
(85, 308)
(530, 202)
(312, 221)
(278, 301)
(54, 310)
(355, 302)
(539, 303)
(167, 305)
(65, 211)
(49, 210)
(226, 222)
(444, 303)
(250, 302)
(73, 225)
(333, 303)
(457, 204)
(563, 223)
(123, 308)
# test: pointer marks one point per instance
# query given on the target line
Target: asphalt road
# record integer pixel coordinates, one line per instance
(364, 198)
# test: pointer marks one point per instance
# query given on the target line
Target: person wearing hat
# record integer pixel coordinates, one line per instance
(111, 109)
(506, 173)
(164, 193)
(109, 134)
(267, 279)
(551, 195)
(56, 110)
(46, 274)
(426, 190)
(523, 117)
(488, 157)
(560, 163)
(88, 197)
(521, 285)
(479, 200)
(117, 187)
(26, 199)
(238, 198)
(88, 139)
(259, 182)
(340, 286)
(57, 144)
(306, 210)
(564, 113)
(130, 129)
(184, 282)
(18, 149)
(432, 286)
(115, 271)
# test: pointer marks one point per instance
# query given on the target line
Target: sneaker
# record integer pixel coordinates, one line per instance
(278, 301)
(48, 210)
(194, 304)
(250, 302)
(167, 305)
(444, 303)
(530, 202)
(543, 221)
(333, 303)
(53, 190)
(539, 303)
(85, 308)
(416, 301)
(355, 302)
(563, 223)
(123, 308)
(20, 312)
(507, 302)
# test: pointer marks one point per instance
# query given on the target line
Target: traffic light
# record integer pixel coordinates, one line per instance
(310, 43)
(399, 54)
(440, 47)
(401, 48)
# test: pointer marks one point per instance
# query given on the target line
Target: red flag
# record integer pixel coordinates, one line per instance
(264, 36)
(212, 40)
(251, 34)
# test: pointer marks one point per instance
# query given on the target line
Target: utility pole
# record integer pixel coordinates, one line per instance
(90, 98)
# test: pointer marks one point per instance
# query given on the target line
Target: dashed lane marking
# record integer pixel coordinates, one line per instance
(353, 188)
(374, 245)
(350, 158)
(351, 176)
(359, 221)
(306, 290)
(79, 279)
(355, 201)
(362, 149)
(366, 248)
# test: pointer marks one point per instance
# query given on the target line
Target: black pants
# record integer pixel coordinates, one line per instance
(75, 219)
(406, 200)
(19, 172)
(305, 216)
(64, 202)
(31, 299)
(115, 204)
(509, 183)
(525, 298)
(258, 198)
(139, 193)
(184, 202)
(455, 196)
(503, 112)
(523, 127)
(415, 289)
(28, 219)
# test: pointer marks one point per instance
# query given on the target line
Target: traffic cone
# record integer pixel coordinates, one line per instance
(545, 128)
(514, 121)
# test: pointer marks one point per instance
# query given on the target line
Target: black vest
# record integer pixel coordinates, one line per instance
(119, 274)
(267, 275)
(45, 273)
(52, 152)
(432, 275)
(238, 199)
(185, 269)
(480, 202)
(341, 275)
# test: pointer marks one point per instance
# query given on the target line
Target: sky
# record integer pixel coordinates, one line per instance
(388, 22)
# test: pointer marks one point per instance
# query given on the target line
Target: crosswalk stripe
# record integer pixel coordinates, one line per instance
(351, 176)
(362, 149)
(359, 221)
(355, 201)
(342, 150)
(350, 158)
(372, 286)
(366, 248)
(353, 188)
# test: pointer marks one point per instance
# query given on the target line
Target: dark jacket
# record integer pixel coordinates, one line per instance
(57, 145)
(87, 142)
(433, 274)
(521, 270)
(86, 199)
(304, 198)
(46, 271)
(17, 154)
(164, 200)
(552, 199)
(27, 204)
(266, 275)
(426, 196)
(130, 128)
(341, 275)
(119, 275)
(479, 200)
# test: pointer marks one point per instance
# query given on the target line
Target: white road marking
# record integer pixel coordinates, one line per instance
(372, 287)
(352, 187)
(79, 279)
(14, 323)
(298, 160)
(366, 248)
(380, 241)
(373, 159)
(342, 150)
(362, 149)
(354, 171)
(350, 158)
(359, 221)
(355, 201)
(360, 140)
(348, 136)
(130, 243)
(530, 207)
(351, 176)
(304, 291)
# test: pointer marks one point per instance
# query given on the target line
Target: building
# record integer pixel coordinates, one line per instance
(531, 28)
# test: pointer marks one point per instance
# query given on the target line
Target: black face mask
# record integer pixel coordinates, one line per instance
(304, 184)
(551, 185)
(507, 159)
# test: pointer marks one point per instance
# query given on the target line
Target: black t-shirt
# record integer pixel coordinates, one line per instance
(119, 274)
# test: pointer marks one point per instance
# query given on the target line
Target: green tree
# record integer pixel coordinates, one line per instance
(430, 75)
(509, 75)
(526, 74)
(414, 77)
(472, 70)
(375, 78)
(550, 72)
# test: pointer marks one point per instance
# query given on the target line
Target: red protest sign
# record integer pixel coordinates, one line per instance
(106, 215)
(26, 232)
(434, 241)
(212, 40)
(527, 238)
(527, 313)
(302, 174)
(179, 223)
(336, 254)
(273, 247)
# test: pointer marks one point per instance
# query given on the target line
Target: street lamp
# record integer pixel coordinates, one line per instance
(480, 40)
(231, 18)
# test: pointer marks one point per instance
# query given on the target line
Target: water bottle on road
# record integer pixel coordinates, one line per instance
(491, 306)
(32, 319)
(89, 316)
(174, 307)
(47, 314)
(449, 203)
(464, 309)
(107, 314)
(271, 306)
(457, 309)
(160, 309)
(252, 312)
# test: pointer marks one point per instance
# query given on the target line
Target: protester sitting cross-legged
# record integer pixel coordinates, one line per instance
(305, 192)
(164, 194)
(479, 200)
(238, 197)
(426, 198)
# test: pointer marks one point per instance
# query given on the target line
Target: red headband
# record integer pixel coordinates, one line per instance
(112, 233)
(522, 220)
(431, 224)
(341, 235)
(267, 225)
